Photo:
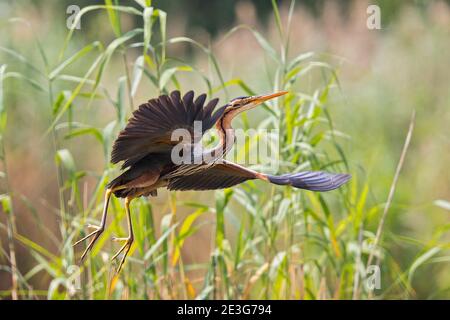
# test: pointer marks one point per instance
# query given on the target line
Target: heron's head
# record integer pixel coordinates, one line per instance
(239, 104)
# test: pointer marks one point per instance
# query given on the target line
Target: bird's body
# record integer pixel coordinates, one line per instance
(147, 148)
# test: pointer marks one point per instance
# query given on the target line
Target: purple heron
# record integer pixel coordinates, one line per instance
(146, 146)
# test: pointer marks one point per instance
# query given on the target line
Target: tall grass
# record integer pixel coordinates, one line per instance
(268, 242)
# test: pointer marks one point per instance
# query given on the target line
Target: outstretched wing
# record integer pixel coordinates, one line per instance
(311, 180)
(150, 128)
(220, 176)
(228, 174)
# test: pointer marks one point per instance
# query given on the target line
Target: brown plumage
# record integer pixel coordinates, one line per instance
(145, 146)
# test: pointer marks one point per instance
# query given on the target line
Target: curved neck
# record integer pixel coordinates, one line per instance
(226, 136)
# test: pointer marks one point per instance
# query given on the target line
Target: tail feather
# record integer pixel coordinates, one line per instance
(311, 180)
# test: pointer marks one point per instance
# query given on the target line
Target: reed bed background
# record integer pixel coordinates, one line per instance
(65, 94)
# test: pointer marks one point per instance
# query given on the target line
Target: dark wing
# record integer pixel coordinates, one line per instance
(228, 174)
(220, 176)
(311, 180)
(150, 128)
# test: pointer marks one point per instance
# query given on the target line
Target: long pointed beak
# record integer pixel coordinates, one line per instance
(263, 98)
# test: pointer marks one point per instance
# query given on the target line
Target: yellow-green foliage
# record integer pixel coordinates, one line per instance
(255, 241)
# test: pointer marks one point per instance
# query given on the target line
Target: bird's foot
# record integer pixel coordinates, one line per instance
(125, 249)
(95, 235)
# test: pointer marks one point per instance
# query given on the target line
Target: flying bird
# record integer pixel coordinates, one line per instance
(146, 147)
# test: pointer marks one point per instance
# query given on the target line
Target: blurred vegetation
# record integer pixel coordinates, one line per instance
(65, 95)
(215, 16)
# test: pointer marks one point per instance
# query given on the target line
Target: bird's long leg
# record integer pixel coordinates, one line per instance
(129, 240)
(98, 229)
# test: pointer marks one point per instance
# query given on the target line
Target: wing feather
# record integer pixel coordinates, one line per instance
(228, 174)
(220, 176)
(150, 128)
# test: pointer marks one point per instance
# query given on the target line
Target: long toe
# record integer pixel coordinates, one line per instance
(95, 235)
(125, 249)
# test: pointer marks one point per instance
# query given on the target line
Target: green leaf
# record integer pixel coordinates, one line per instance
(35, 84)
(276, 265)
(5, 199)
(207, 51)
(160, 241)
(184, 231)
(75, 92)
(2, 100)
(63, 96)
(222, 199)
(53, 292)
(64, 157)
(421, 260)
(277, 18)
(162, 27)
(147, 16)
(37, 248)
(111, 49)
(299, 59)
(87, 9)
(144, 3)
(444, 204)
(120, 102)
(114, 18)
(83, 131)
(138, 69)
(79, 54)
(169, 73)
(21, 59)
(265, 45)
